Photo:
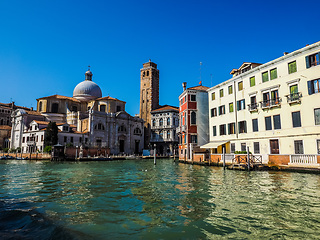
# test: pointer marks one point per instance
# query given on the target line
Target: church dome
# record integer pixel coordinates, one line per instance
(87, 90)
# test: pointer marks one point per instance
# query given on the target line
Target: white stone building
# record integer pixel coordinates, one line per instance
(87, 115)
(164, 121)
(272, 108)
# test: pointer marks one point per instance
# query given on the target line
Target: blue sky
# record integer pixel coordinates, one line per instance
(46, 46)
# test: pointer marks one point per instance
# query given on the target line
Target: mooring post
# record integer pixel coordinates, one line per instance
(224, 157)
(248, 160)
(154, 154)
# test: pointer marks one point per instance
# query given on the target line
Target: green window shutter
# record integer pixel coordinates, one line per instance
(307, 62)
(273, 74)
(265, 77)
(252, 81)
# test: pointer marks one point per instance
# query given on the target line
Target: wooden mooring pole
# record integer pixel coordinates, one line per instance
(248, 159)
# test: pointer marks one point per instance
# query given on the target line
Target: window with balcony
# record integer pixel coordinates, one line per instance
(221, 93)
(256, 148)
(230, 89)
(214, 131)
(274, 146)
(230, 107)
(298, 147)
(270, 102)
(193, 118)
(268, 123)
(265, 77)
(161, 135)
(276, 122)
(241, 104)
(240, 86)
(317, 116)
(253, 103)
(252, 81)
(296, 119)
(294, 95)
(168, 135)
(292, 67)
(255, 127)
(213, 112)
(314, 86)
(312, 60)
(273, 74)
(213, 96)
(231, 128)
(222, 129)
(242, 126)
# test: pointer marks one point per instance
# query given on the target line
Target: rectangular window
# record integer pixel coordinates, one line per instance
(242, 127)
(230, 107)
(221, 93)
(274, 146)
(252, 81)
(265, 77)
(255, 127)
(213, 96)
(292, 67)
(298, 147)
(256, 148)
(194, 139)
(231, 128)
(314, 86)
(241, 104)
(41, 138)
(296, 120)
(318, 146)
(23, 139)
(268, 123)
(317, 116)
(273, 74)
(293, 89)
(230, 90)
(213, 112)
(193, 98)
(276, 122)
(240, 86)
(232, 147)
(243, 147)
(312, 60)
(71, 139)
(222, 129)
(65, 139)
(214, 131)
(222, 110)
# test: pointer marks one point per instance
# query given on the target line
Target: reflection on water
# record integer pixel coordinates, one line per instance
(136, 199)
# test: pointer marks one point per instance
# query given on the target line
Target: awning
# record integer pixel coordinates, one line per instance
(213, 144)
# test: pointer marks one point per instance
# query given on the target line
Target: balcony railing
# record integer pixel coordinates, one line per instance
(271, 103)
(31, 142)
(294, 97)
(303, 159)
(253, 107)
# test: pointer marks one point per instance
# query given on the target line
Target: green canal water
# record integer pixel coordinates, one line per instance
(136, 200)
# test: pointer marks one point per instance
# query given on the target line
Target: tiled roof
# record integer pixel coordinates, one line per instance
(165, 108)
(5, 127)
(56, 96)
(33, 113)
(41, 122)
(199, 88)
(109, 98)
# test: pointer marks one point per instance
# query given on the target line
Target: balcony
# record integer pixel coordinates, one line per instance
(275, 102)
(253, 107)
(294, 97)
(31, 142)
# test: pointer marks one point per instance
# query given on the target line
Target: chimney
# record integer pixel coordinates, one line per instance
(31, 108)
(184, 85)
(285, 53)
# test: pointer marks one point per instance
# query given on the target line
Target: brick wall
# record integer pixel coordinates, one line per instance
(198, 157)
(216, 158)
(279, 160)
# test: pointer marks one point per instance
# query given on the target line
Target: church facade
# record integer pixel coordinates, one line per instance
(86, 119)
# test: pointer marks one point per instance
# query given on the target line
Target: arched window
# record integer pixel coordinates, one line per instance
(160, 122)
(122, 129)
(153, 122)
(54, 107)
(168, 121)
(99, 126)
(161, 135)
(168, 135)
(137, 131)
(193, 118)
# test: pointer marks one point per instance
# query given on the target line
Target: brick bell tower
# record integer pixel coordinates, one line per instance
(149, 96)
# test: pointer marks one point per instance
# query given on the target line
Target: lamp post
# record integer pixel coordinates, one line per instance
(154, 154)
(76, 152)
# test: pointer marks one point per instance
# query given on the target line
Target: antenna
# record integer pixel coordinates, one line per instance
(200, 73)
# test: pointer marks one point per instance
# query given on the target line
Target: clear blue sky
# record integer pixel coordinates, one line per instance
(46, 46)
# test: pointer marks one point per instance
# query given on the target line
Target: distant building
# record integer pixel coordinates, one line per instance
(273, 108)
(87, 119)
(164, 121)
(5, 132)
(149, 96)
(5, 112)
(193, 112)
